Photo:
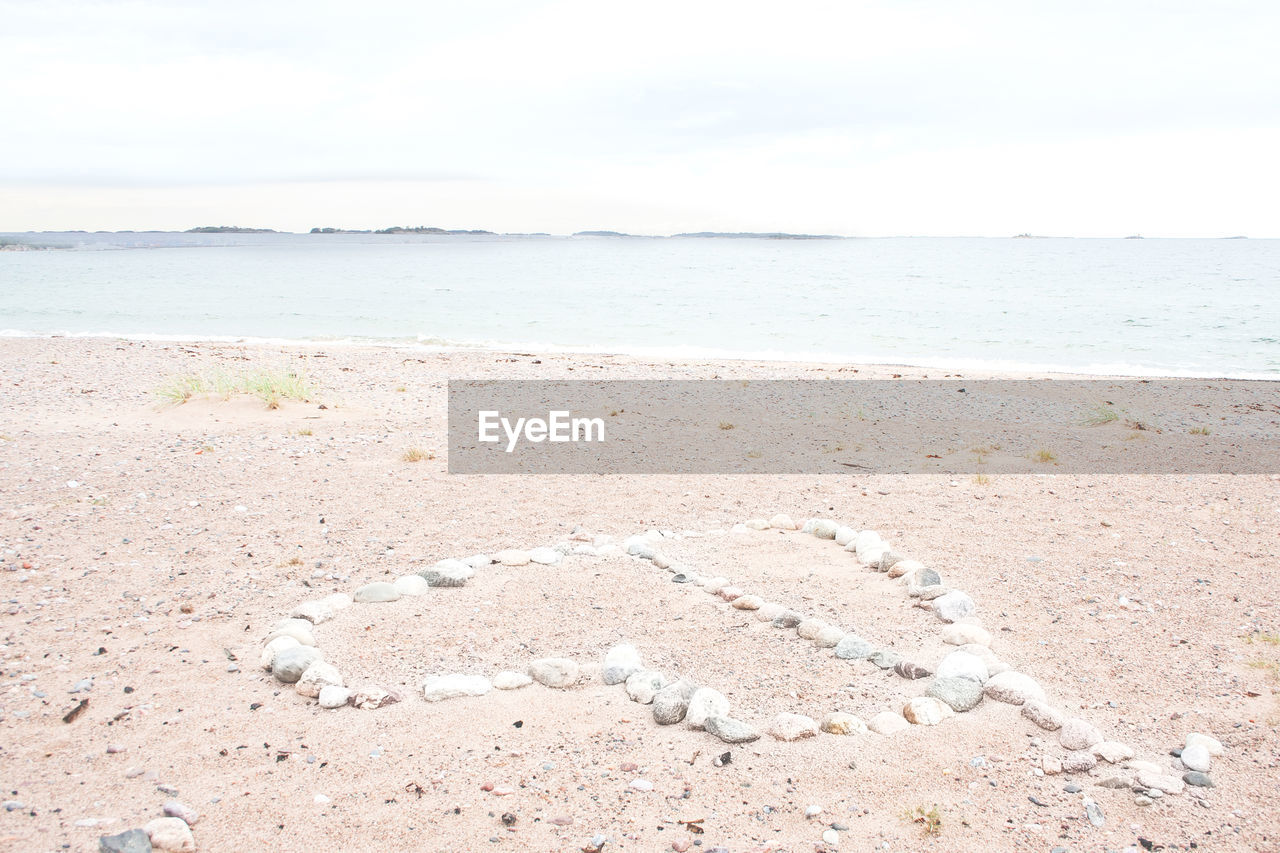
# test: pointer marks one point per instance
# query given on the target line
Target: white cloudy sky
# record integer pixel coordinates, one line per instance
(909, 117)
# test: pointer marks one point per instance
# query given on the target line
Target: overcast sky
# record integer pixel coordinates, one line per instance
(859, 118)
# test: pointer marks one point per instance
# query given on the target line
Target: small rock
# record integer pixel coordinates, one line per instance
(844, 535)
(789, 727)
(821, 528)
(1112, 751)
(813, 811)
(377, 592)
(828, 637)
(170, 834)
(918, 579)
(887, 723)
(748, 602)
(925, 711)
(289, 664)
(853, 647)
(705, 703)
(411, 585)
(1014, 688)
(274, 647)
(452, 573)
(129, 841)
(1116, 782)
(1072, 788)
(788, 619)
(511, 680)
(183, 812)
(671, 703)
(620, 663)
(1079, 761)
(1043, 715)
(730, 730)
(953, 606)
(904, 567)
(886, 658)
(641, 785)
(769, 611)
(1078, 734)
(1161, 782)
(831, 838)
(840, 723)
(372, 697)
(333, 696)
(545, 556)
(440, 687)
(1142, 800)
(960, 634)
(14, 805)
(1051, 765)
(509, 557)
(1198, 779)
(782, 521)
(809, 628)
(961, 664)
(961, 694)
(298, 629)
(317, 677)
(1211, 744)
(1094, 812)
(911, 671)
(756, 524)
(644, 685)
(554, 672)
(1196, 757)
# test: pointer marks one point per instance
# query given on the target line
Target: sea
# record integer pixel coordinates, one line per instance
(1154, 307)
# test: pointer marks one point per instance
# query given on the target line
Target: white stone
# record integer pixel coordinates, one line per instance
(1210, 743)
(782, 521)
(961, 634)
(554, 672)
(756, 524)
(512, 557)
(960, 664)
(828, 637)
(810, 628)
(337, 602)
(333, 696)
(705, 703)
(995, 666)
(279, 644)
(1078, 734)
(411, 585)
(478, 561)
(643, 686)
(440, 687)
(620, 662)
(845, 534)
(831, 838)
(509, 680)
(1112, 751)
(448, 573)
(298, 629)
(953, 606)
(822, 528)
(840, 723)
(888, 723)
(791, 727)
(545, 556)
(903, 567)
(170, 834)
(1015, 688)
(377, 592)
(317, 677)
(714, 585)
(1196, 757)
(926, 711)
(315, 612)
(748, 602)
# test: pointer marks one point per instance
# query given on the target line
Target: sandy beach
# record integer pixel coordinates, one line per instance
(149, 549)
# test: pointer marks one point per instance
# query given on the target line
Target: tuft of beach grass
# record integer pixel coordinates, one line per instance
(270, 386)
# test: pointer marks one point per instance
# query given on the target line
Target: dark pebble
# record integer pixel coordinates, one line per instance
(1195, 777)
(1073, 788)
(1037, 802)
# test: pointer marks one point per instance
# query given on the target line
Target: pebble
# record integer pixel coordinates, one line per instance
(953, 606)
(273, 647)
(919, 578)
(730, 730)
(887, 723)
(787, 619)
(886, 658)
(1014, 688)
(756, 524)
(478, 561)
(671, 703)
(1210, 743)
(641, 785)
(828, 637)
(911, 671)
(831, 837)
(511, 680)
(961, 664)
(809, 628)
(289, 664)
(1072, 788)
(844, 535)
(317, 677)
(129, 841)
(545, 556)
(853, 647)
(714, 585)
(1198, 779)
(377, 592)
(1160, 781)
(840, 723)
(960, 634)
(1196, 757)
(1079, 761)
(411, 585)
(333, 696)
(620, 663)
(813, 811)
(705, 703)
(1078, 734)
(1142, 800)
(731, 593)
(903, 567)
(1094, 812)
(440, 687)
(14, 805)
(748, 602)
(452, 573)
(1051, 765)
(789, 727)
(770, 611)
(183, 812)
(512, 557)
(372, 697)
(925, 711)
(1112, 751)
(315, 612)
(961, 694)
(170, 834)
(1043, 715)
(298, 629)
(782, 521)
(554, 672)
(644, 685)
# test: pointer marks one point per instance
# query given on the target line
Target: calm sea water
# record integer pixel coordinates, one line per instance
(1165, 307)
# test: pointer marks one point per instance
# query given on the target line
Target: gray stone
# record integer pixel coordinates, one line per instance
(672, 702)
(954, 606)
(962, 694)
(1198, 779)
(911, 671)
(730, 730)
(129, 841)
(921, 578)
(182, 811)
(853, 647)
(554, 672)
(1094, 812)
(1045, 716)
(289, 664)
(377, 592)
(705, 703)
(887, 561)
(886, 658)
(790, 619)
(643, 686)
(449, 573)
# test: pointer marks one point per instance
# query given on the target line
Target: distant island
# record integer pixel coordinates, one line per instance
(758, 235)
(401, 229)
(229, 229)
